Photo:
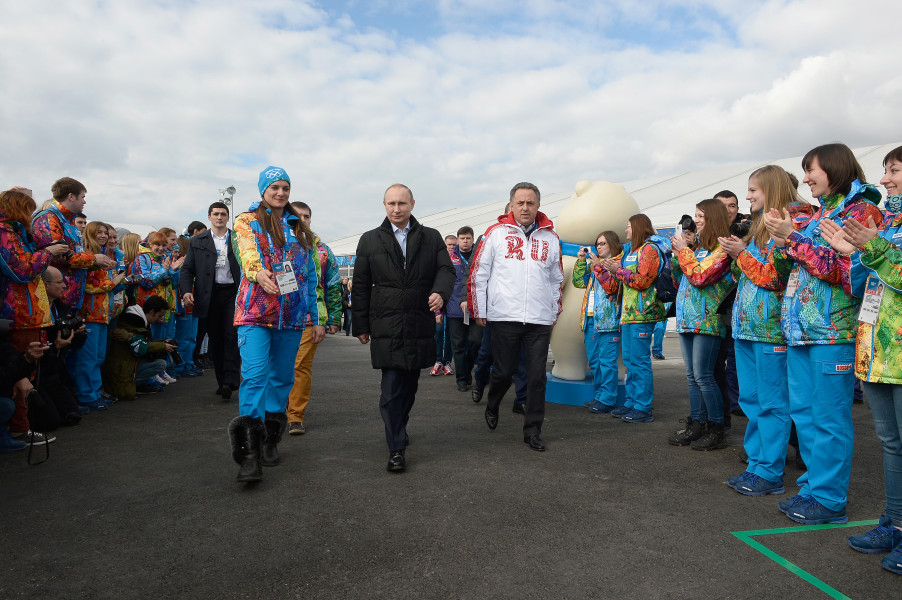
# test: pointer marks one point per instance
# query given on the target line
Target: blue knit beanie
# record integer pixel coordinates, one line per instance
(269, 176)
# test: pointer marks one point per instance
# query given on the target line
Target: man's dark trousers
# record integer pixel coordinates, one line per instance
(482, 372)
(223, 345)
(465, 342)
(399, 389)
(506, 340)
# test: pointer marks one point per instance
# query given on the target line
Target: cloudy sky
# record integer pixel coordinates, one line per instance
(157, 105)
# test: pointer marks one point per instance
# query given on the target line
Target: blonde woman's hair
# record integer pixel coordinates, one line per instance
(779, 193)
(129, 244)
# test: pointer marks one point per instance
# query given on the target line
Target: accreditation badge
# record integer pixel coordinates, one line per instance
(793, 284)
(870, 304)
(285, 278)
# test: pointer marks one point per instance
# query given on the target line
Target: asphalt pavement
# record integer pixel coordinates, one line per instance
(141, 502)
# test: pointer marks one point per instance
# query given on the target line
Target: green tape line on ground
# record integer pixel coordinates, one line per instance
(746, 536)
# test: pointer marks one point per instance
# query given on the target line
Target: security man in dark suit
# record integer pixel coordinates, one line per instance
(209, 282)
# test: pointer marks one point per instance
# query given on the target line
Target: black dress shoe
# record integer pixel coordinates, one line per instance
(224, 391)
(491, 418)
(477, 393)
(520, 409)
(463, 387)
(535, 442)
(396, 462)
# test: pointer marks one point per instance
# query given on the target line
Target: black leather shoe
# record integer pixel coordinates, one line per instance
(519, 409)
(462, 387)
(224, 391)
(491, 419)
(535, 442)
(396, 462)
(477, 394)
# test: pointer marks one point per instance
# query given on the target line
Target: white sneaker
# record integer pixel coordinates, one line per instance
(162, 380)
(33, 438)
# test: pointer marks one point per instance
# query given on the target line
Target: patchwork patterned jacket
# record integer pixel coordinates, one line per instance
(54, 224)
(25, 300)
(256, 252)
(638, 271)
(98, 298)
(878, 347)
(819, 309)
(604, 289)
(155, 280)
(328, 300)
(759, 295)
(705, 280)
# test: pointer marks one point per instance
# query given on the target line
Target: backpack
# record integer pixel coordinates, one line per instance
(664, 285)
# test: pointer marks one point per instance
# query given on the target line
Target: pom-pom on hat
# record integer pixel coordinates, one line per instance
(270, 175)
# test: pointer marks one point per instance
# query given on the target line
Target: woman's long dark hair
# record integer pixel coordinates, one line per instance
(642, 230)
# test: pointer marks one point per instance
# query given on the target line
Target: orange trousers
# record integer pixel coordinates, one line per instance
(299, 396)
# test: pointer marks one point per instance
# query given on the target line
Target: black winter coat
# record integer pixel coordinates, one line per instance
(391, 294)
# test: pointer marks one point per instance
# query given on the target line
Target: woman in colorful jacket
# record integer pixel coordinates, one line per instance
(599, 318)
(24, 301)
(276, 296)
(705, 279)
(85, 362)
(153, 270)
(819, 325)
(115, 253)
(760, 348)
(878, 353)
(637, 270)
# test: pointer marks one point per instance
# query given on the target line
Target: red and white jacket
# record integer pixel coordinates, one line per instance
(515, 278)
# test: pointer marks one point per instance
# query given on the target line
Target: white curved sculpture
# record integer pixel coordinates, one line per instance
(593, 208)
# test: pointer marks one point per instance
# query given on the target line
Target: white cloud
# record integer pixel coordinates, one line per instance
(155, 106)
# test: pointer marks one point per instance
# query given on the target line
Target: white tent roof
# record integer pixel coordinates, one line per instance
(663, 199)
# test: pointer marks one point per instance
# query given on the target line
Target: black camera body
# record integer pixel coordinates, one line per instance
(66, 325)
(687, 223)
(176, 357)
(741, 228)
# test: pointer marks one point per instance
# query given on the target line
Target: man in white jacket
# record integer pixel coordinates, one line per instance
(515, 284)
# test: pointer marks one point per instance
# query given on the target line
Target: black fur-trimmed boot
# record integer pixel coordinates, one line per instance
(246, 434)
(275, 427)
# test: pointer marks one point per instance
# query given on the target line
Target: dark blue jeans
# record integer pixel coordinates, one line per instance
(699, 354)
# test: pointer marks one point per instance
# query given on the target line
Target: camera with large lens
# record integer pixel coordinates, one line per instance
(176, 357)
(66, 325)
(741, 228)
(687, 223)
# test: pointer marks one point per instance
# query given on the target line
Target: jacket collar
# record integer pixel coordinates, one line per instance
(542, 221)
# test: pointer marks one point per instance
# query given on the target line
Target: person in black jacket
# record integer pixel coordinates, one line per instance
(209, 280)
(402, 275)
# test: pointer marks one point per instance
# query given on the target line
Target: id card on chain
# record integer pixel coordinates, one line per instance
(870, 304)
(793, 284)
(285, 278)
(221, 258)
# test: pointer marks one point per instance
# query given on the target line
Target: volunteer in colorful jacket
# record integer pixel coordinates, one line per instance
(154, 271)
(878, 355)
(276, 297)
(759, 343)
(85, 362)
(637, 270)
(515, 285)
(705, 280)
(819, 325)
(599, 318)
(55, 224)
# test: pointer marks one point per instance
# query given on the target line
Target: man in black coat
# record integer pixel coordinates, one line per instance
(402, 275)
(209, 281)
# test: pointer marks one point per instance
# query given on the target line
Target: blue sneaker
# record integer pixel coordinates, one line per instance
(637, 416)
(733, 481)
(813, 512)
(96, 406)
(759, 486)
(785, 505)
(893, 560)
(619, 411)
(882, 538)
(593, 404)
(603, 408)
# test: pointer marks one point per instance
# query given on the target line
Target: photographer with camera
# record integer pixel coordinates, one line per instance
(16, 369)
(135, 358)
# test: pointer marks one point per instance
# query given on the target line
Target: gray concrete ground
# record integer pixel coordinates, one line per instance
(141, 502)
